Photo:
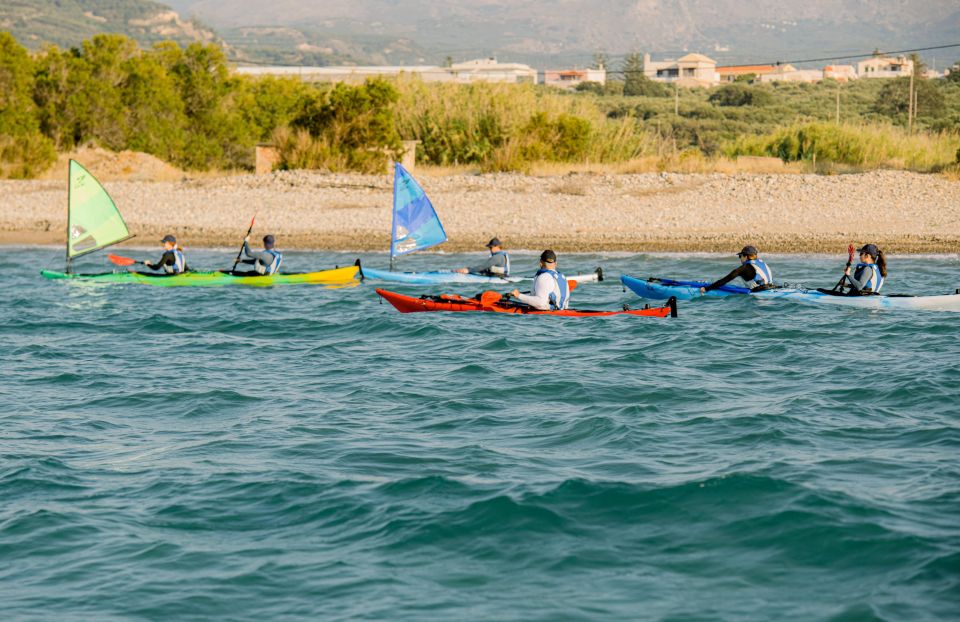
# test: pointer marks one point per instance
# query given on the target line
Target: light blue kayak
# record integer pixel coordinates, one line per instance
(448, 276)
(662, 289)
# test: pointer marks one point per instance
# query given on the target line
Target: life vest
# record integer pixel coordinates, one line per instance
(274, 265)
(501, 271)
(763, 274)
(876, 280)
(564, 289)
(179, 262)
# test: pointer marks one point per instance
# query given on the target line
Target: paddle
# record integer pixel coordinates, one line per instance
(240, 252)
(733, 289)
(122, 261)
(843, 278)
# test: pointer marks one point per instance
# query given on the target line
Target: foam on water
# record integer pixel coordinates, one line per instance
(303, 453)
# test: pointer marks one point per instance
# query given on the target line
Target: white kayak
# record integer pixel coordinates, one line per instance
(662, 289)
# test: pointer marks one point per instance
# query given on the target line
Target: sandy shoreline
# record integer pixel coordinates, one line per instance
(903, 212)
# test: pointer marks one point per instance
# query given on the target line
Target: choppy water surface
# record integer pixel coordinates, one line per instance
(303, 453)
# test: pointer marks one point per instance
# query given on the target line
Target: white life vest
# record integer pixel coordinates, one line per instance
(274, 265)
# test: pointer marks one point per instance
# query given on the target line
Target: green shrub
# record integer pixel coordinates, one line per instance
(740, 95)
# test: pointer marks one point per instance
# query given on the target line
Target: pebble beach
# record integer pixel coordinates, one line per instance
(901, 211)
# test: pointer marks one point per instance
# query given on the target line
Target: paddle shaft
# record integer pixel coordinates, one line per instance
(843, 278)
(240, 252)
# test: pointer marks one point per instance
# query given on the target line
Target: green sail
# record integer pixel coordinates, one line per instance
(93, 221)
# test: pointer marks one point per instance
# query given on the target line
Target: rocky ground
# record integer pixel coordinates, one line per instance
(902, 212)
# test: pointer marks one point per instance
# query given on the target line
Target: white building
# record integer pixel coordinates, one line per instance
(689, 70)
(481, 70)
(489, 70)
(840, 73)
(885, 67)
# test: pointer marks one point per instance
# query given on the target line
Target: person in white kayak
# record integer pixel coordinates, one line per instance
(497, 264)
(867, 276)
(551, 292)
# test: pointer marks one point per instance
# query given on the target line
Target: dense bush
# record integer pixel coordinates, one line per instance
(740, 95)
(185, 106)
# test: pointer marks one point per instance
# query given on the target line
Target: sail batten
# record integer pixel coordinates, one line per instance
(93, 220)
(416, 225)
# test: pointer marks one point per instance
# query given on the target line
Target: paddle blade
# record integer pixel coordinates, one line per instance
(850, 250)
(571, 285)
(490, 298)
(121, 261)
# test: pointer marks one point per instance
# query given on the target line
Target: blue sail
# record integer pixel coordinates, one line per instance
(415, 222)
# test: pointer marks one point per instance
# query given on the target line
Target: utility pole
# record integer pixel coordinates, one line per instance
(838, 103)
(910, 106)
(676, 97)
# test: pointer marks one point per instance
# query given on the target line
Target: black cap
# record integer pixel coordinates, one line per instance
(268, 240)
(748, 250)
(168, 238)
(548, 256)
(870, 249)
(494, 242)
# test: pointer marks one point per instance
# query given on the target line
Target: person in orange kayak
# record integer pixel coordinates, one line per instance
(551, 292)
(497, 264)
(754, 272)
(172, 261)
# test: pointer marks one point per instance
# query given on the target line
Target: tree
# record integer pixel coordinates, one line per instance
(636, 83)
(954, 73)
(23, 150)
(601, 61)
(894, 99)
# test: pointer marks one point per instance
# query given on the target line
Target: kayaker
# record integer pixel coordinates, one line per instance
(550, 289)
(754, 272)
(172, 261)
(268, 260)
(867, 276)
(498, 264)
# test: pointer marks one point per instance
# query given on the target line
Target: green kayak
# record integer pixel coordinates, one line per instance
(347, 276)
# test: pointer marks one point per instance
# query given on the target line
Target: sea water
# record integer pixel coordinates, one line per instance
(302, 453)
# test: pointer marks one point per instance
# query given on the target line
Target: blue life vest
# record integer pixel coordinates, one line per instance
(506, 266)
(876, 280)
(763, 277)
(561, 285)
(274, 265)
(179, 262)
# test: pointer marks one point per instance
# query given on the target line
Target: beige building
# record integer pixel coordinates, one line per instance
(730, 74)
(570, 78)
(885, 67)
(840, 73)
(789, 73)
(690, 70)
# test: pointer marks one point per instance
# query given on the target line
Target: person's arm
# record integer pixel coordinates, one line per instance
(744, 270)
(255, 256)
(540, 299)
(167, 259)
(484, 267)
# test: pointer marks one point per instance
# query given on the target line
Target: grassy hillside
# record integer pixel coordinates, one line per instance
(67, 23)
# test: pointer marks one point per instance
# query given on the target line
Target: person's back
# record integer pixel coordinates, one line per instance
(267, 261)
(550, 288)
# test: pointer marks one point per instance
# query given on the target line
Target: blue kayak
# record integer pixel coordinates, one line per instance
(663, 289)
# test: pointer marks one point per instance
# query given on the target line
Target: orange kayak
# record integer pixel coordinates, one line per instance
(409, 304)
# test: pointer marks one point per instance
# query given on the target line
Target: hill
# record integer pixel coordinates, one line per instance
(66, 23)
(572, 30)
